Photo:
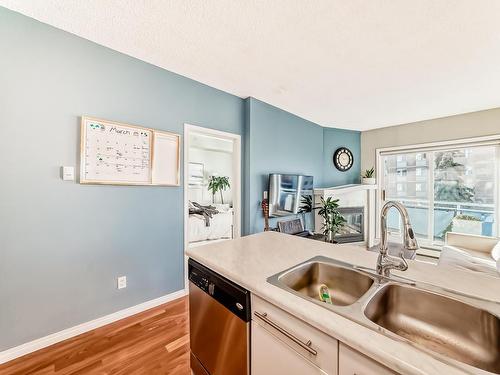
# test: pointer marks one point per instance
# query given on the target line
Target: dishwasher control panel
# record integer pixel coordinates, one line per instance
(199, 280)
(229, 294)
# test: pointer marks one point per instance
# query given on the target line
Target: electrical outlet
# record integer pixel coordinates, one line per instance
(121, 282)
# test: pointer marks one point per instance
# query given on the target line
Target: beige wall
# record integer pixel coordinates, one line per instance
(447, 128)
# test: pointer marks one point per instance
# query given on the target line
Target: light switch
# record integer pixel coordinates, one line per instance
(68, 173)
(121, 282)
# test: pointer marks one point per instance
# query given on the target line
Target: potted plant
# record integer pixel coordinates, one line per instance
(333, 220)
(218, 184)
(368, 178)
(467, 224)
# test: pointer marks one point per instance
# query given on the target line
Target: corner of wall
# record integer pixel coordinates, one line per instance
(246, 168)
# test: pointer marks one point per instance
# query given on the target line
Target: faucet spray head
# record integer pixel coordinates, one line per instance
(410, 242)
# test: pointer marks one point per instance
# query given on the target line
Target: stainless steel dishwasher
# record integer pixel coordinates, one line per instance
(219, 323)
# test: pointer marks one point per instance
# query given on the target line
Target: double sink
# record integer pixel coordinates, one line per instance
(458, 329)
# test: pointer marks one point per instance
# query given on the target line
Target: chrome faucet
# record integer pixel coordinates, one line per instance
(385, 262)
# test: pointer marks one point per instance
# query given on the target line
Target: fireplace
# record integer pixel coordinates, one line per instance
(357, 205)
(353, 229)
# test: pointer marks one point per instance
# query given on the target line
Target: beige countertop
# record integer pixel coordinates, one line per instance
(250, 260)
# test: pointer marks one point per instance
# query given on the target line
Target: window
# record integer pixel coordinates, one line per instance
(448, 188)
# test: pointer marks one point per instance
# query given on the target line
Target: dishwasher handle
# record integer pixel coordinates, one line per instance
(303, 345)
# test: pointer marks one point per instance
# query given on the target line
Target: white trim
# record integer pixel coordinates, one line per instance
(379, 192)
(496, 230)
(54, 338)
(461, 142)
(430, 193)
(236, 188)
(345, 188)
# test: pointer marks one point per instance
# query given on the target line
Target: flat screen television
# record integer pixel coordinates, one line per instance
(287, 193)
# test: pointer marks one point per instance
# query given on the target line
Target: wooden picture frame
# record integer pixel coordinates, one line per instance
(157, 157)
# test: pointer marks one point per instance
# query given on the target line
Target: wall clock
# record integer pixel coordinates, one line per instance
(343, 159)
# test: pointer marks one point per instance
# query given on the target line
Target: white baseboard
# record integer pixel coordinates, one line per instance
(43, 342)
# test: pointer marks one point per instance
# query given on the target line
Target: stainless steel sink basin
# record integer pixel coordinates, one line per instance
(459, 329)
(346, 285)
(444, 325)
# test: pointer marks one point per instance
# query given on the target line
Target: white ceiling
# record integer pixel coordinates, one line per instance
(356, 64)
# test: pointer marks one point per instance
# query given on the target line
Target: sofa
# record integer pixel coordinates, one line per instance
(472, 252)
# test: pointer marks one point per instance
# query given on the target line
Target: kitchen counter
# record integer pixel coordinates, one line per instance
(250, 260)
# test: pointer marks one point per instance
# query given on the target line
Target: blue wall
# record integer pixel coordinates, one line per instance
(333, 139)
(63, 244)
(277, 141)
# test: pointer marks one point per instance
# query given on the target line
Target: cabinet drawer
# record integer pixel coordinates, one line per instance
(271, 355)
(322, 351)
(352, 362)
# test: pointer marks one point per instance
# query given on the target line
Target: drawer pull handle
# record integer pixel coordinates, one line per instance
(303, 345)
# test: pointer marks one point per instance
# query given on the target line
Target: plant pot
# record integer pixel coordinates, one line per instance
(330, 237)
(369, 181)
(467, 226)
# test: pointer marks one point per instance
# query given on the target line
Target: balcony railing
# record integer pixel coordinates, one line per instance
(440, 218)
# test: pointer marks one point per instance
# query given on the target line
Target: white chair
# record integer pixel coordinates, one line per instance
(471, 252)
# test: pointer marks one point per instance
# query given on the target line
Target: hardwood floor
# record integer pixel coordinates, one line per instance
(153, 342)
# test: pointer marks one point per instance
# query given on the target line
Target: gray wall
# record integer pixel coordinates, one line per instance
(63, 244)
(277, 141)
(443, 129)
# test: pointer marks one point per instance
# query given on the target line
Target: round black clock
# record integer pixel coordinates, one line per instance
(343, 159)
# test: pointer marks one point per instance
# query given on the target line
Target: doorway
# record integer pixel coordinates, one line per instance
(212, 186)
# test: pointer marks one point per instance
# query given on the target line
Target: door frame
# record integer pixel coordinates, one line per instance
(236, 185)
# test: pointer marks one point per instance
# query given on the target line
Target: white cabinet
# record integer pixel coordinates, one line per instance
(351, 362)
(271, 355)
(283, 344)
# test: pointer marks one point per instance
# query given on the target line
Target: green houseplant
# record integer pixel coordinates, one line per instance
(333, 220)
(368, 176)
(306, 206)
(218, 184)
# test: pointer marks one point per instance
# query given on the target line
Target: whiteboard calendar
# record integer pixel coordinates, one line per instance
(115, 153)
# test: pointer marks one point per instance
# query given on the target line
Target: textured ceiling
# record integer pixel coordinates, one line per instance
(357, 64)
